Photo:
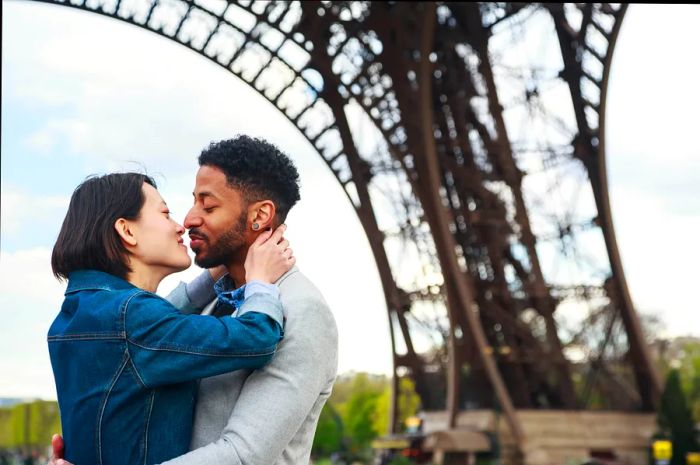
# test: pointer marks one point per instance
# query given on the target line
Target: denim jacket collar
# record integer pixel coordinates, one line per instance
(82, 280)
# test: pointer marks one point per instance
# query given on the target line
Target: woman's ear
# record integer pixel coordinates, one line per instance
(123, 228)
(263, 214)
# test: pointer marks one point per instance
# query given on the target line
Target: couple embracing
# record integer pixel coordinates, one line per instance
(231, 368)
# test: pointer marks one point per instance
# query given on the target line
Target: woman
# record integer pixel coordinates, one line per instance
(125, 361)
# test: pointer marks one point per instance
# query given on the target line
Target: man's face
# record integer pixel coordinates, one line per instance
(217, 221)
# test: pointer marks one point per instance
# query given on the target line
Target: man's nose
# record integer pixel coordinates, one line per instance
(192, 219)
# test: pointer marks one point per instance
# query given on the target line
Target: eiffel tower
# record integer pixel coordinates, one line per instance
(478, 174)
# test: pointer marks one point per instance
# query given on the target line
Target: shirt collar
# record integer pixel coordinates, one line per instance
(227, 293)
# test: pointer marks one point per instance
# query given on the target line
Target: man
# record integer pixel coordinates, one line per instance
(268, 416)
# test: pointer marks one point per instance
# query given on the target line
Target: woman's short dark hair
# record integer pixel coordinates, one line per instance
(88, 239)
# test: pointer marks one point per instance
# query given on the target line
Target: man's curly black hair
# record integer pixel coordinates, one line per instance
(258, 168)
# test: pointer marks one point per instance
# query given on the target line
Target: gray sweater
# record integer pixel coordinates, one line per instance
(269, 416)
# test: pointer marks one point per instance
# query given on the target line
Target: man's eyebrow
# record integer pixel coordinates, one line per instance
(203, 194)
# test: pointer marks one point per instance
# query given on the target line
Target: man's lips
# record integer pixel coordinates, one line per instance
(196, 241)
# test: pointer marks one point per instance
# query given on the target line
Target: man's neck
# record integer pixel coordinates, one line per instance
(236, 272)
(236, 268)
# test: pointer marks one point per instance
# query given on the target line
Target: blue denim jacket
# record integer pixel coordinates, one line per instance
(125, 363)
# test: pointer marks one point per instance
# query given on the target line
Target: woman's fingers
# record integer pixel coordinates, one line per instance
(278, 233)
(273, 236)
(269, 257)
(262, 238)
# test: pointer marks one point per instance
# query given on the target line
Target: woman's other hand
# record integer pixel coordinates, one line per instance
(269, 257)
(57, 454)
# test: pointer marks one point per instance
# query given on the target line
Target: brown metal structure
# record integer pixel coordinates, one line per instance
(469, 137)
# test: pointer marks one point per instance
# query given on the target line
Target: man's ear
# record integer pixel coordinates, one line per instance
(263, 214)
(123, 228)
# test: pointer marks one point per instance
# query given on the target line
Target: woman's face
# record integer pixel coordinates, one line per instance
(159, 238)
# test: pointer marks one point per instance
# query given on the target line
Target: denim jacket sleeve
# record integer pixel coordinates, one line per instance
(166, 346)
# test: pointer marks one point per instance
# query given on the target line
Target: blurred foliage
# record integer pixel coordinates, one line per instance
(358, 412)
(684, 357)
(675, 419)
(329, 432)
(679, 411)
(400, 460)
(689, 371)
(29, 424)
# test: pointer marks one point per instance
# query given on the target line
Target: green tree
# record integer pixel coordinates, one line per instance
(690, 377)
(675, 419)
(408, 405)
(329, 432)
(359, 413)
(5, 427)
(31, 424)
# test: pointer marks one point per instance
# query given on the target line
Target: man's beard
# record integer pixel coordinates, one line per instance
(224, 250)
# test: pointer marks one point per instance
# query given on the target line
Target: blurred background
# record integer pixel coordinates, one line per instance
(83, 94)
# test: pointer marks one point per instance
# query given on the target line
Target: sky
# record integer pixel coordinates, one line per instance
(83, 94)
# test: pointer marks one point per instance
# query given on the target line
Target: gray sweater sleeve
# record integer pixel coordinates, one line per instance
(192, 297)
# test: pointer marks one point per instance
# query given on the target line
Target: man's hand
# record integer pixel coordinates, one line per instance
(57, 456)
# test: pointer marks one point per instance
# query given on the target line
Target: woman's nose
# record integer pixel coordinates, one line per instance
(180, 229)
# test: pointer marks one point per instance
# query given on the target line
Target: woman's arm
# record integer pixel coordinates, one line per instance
(166, 346)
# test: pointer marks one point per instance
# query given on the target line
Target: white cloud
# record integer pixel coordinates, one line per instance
(660, 254)
(653, 92)
(23, 211)
(187, 100)
(653, 161)
(29, 379)
(24, 272)
(30, 298)
(71, 132)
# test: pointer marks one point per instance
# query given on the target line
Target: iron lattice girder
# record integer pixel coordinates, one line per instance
(449, 163)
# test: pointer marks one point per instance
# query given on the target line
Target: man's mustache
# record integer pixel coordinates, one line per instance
(194, 233)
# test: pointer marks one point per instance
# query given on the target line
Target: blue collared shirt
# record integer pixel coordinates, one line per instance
(228, 294)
